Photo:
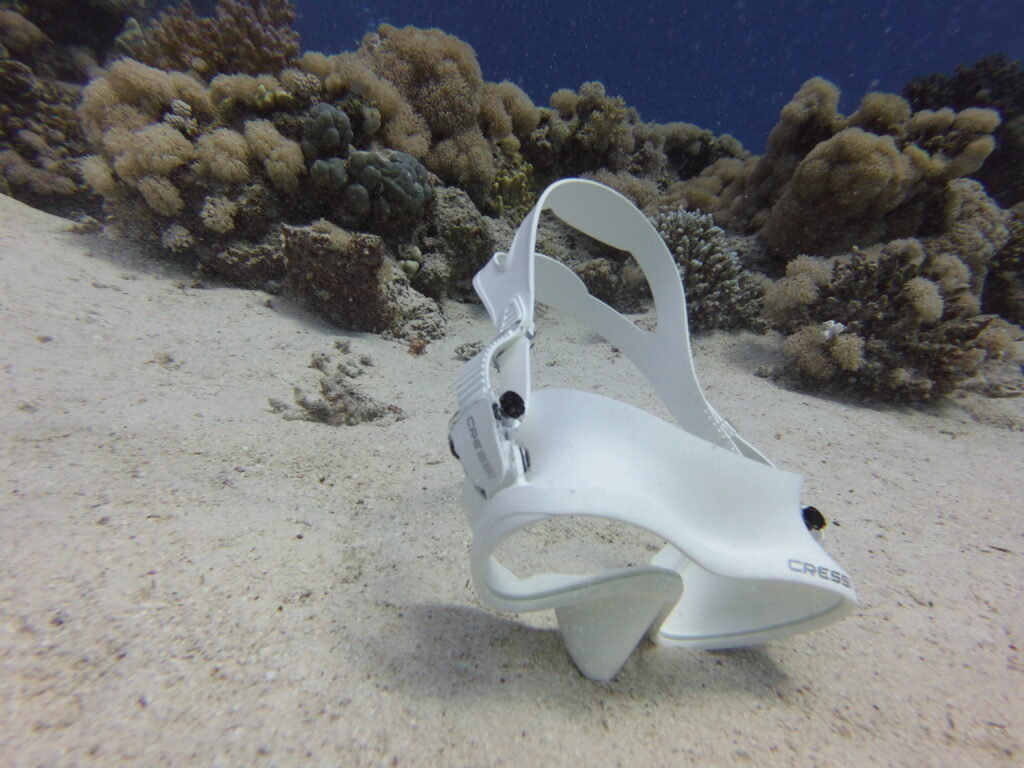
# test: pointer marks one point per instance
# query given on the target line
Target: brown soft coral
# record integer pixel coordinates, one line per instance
(130, 95)
(40, 140)
(899, 321)
(583, 132)
(810, 118)
(974, 229)
(1004, 288)
(438, 76)
(881, 328)
(840, 195)
(136, 118)
(18, 33)
(828, 183)
(281, 157)
(349, 74)
(223, 155)
(994, 82)
(243, 36)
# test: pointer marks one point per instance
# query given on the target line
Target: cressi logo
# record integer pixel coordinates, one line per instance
(478, 448)
(819, 571)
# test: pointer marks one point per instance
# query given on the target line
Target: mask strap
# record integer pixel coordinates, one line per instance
(510, 283)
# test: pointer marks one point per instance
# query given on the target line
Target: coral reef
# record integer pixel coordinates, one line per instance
(828, 182)
(386, 187)
(349, 279)
(62, 41)
(46, 49)
(589, 132)
(242, 37)
(512, 191)
(215, 185)
(1003, 292)
(994, 82)
(719, 293)
(439, 78)
(899, 321)
(40, 142)
(372, 184)
(458, 243)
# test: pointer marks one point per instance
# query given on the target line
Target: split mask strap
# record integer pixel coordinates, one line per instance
(510, 283)
(740, 567)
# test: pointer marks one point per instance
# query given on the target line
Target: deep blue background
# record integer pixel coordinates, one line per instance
(726, 66)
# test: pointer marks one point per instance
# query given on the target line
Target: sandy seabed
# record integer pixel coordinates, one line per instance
(187, 578)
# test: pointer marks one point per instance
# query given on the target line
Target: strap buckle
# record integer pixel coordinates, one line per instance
(481, 433)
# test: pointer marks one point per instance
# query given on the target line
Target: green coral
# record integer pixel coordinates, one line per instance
(270, 100)
(329, 175)
(327, 132)
(512, 191)
(387, 189)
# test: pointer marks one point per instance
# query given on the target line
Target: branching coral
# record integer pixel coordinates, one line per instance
(243, 36)
(718, 292)
(897, 322)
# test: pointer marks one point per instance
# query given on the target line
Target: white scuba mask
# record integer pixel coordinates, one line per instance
(741, 566)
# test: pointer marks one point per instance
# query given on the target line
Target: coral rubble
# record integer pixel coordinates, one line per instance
(340, 403)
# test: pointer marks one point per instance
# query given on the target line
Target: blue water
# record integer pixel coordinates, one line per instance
(726, 66)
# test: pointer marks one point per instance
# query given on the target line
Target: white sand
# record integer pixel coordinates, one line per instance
(188, 578)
